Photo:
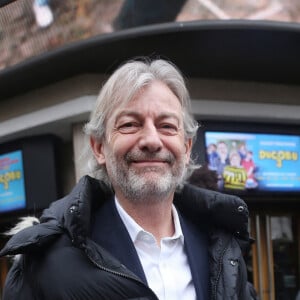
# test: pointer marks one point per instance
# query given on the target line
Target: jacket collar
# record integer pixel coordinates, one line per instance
(73, 214)
(198, 205)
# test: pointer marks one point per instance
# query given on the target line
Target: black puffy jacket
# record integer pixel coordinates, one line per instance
(60, 261)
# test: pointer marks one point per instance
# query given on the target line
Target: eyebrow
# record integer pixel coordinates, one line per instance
(138, 115)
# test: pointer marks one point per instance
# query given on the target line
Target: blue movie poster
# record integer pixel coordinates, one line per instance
(12, 187)
(268, 162)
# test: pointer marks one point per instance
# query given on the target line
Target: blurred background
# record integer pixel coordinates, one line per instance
(28, 29)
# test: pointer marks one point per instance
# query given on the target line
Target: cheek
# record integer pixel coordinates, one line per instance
(178, 148)
(121, 144)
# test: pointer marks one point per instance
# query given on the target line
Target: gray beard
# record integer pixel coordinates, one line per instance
(140, 187)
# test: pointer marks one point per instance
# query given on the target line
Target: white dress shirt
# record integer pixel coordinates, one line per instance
(166, 267)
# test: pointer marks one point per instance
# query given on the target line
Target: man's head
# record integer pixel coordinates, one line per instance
(142, 115)
(222, 150)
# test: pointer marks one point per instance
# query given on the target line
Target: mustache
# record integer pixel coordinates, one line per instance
(133, 156)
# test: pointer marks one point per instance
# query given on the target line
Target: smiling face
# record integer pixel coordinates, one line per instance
(145, 151)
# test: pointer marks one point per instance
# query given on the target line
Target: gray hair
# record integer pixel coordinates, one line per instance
(121, 87)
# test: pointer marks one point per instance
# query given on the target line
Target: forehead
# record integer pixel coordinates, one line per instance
(155, 99)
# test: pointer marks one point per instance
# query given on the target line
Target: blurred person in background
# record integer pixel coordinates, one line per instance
(206, 178)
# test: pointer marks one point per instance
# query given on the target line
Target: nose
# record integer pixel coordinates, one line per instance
(150, 139)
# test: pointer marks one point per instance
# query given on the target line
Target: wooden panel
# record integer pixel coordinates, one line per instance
(262, 257)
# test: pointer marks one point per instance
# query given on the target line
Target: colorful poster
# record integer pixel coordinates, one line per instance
(12, 186)
(268, 162)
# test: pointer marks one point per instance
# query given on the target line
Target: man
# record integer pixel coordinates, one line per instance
(135, 231)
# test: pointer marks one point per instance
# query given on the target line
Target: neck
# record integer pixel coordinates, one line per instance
(154, 217)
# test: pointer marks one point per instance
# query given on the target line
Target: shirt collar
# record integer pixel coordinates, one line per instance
(134, 229)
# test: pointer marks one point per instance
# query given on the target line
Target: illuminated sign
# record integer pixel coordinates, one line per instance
(12, 187)
(244, 161)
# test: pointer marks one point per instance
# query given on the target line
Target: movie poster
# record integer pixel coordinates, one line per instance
(12, 187)
(244, 161)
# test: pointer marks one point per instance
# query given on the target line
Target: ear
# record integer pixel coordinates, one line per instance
(97, 149)
(188, 148)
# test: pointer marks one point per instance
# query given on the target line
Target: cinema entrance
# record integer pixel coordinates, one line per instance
(274, 261)
(260, 163)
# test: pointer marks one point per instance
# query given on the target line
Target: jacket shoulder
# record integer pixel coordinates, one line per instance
(31, 238)
(216, 209)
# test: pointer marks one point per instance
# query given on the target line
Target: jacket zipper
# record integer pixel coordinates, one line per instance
(118, 273)
(214, 289)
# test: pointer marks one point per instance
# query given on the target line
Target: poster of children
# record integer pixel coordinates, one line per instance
(244, 161)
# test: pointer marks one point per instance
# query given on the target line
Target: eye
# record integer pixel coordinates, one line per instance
(128, 127)
(168, 129)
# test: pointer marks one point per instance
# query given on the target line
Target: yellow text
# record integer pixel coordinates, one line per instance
(278, 156)
(7, 177)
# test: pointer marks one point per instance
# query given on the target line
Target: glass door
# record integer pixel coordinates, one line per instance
(275, 256)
